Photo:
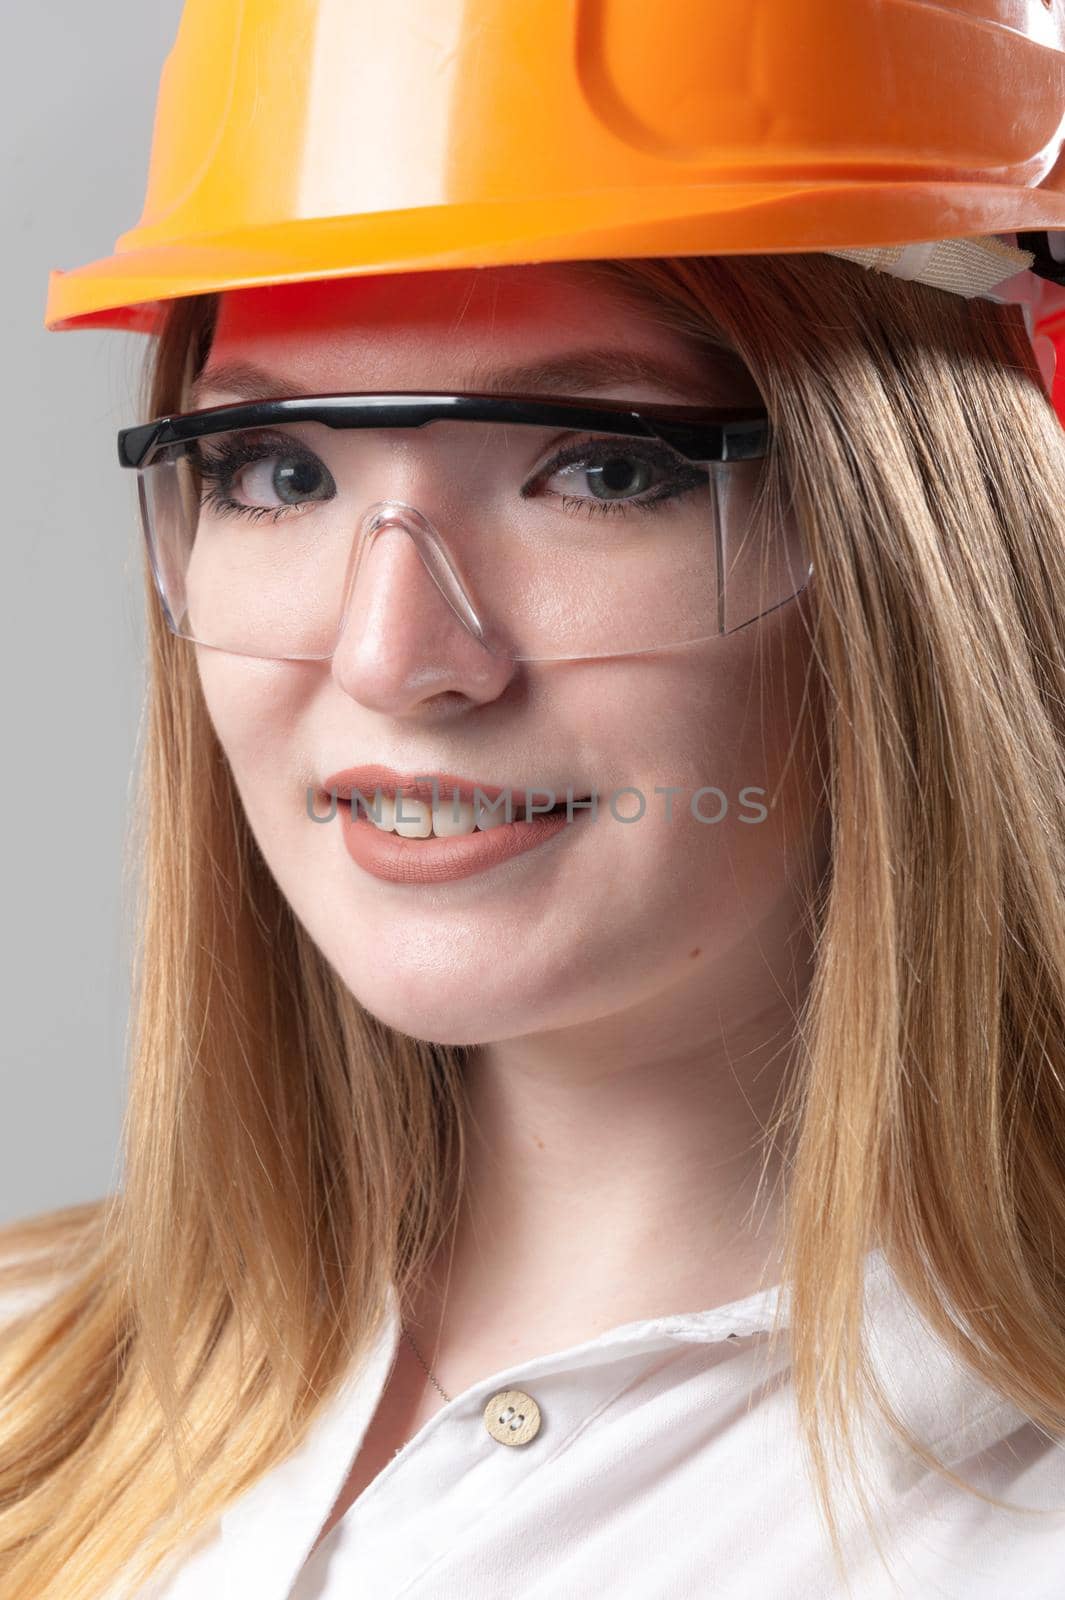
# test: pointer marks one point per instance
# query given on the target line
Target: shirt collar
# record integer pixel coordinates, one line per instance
(294, 1498)
(950, 1410)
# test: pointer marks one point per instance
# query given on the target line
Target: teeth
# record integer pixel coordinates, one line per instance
(450, 819)
(420, 825)
(387, 808)
(496, 816)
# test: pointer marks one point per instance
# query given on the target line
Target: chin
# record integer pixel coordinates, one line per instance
(457, 1007)
(434, 1022)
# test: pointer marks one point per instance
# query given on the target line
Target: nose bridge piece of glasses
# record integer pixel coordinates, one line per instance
(396, 516)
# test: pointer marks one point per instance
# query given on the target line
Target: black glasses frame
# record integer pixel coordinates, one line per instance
(701, 433)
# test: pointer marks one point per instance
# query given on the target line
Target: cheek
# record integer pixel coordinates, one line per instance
(744, 725)
(256, 709)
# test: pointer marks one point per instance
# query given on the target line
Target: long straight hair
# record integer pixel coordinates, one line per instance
(287, 1155)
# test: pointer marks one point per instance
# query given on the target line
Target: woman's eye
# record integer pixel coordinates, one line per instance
(617, 476)
(291, 480)
(614, 477)
(266, 482)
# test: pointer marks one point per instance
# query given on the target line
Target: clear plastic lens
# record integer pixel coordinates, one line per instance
(545, 544)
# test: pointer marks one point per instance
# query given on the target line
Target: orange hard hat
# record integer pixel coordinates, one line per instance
(300, 139)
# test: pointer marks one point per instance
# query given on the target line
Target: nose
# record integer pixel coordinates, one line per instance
(408, 631)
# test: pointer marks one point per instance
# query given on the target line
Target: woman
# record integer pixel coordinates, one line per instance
(464, 1174)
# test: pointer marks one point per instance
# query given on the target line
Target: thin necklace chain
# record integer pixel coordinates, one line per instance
(425, 1364)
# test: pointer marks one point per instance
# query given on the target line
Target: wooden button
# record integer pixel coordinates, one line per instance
(512, 1417)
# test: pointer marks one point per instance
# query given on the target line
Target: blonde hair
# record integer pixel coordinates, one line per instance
(287, 1155)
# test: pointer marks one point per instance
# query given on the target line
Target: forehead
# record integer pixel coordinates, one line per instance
(442, 328)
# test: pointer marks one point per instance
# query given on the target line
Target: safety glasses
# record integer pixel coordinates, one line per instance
(552, 528)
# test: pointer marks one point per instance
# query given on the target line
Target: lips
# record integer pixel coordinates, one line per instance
(406, 862)
(419, 786)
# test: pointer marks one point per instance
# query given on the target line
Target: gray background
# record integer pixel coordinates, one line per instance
(79, 99)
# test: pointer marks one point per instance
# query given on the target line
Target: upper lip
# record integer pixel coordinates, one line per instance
(420, 787)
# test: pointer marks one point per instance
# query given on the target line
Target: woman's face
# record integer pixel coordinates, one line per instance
(606, 915)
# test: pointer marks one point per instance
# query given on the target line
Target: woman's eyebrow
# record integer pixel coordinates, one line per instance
(567, 372)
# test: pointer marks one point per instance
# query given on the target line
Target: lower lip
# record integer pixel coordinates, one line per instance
(399, 860)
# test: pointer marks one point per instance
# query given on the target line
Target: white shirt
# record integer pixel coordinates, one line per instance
(667, 1466)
